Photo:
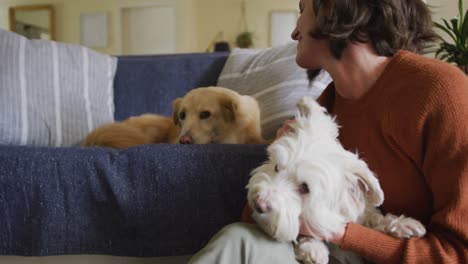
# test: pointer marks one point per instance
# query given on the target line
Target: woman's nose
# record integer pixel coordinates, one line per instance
(295, 34)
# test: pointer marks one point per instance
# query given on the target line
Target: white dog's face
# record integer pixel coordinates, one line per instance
(310, 176)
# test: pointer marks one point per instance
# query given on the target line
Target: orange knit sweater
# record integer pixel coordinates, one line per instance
(412, 130)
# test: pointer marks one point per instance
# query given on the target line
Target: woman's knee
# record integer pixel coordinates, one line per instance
(245, 232)
(240, 230)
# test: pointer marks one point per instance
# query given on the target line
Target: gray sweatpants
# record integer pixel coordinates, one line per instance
(242, 243)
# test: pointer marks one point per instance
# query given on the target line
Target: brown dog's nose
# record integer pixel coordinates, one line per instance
(186, 140)
(261, 206)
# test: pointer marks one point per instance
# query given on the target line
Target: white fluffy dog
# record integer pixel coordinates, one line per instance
(310, 176)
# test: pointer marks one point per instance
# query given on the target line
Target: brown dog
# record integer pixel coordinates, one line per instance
(204, 115)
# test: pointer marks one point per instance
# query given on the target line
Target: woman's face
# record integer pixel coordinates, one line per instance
(310, 51)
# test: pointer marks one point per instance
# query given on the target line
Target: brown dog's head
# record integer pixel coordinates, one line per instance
(213, 115)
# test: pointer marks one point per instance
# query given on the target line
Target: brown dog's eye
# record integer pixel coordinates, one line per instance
(182, 115)
(205, 115)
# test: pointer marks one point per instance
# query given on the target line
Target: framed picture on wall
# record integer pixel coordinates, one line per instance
(93, 29)
(282, 23)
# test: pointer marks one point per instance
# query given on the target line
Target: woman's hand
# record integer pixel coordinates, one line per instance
(338, 235)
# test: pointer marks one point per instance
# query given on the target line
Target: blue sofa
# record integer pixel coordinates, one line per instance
(150, 200)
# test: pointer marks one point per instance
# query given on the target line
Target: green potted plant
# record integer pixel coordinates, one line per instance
(244, 39)
(457, 29)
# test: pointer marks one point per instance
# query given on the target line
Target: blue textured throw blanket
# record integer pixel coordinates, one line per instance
(152, 200)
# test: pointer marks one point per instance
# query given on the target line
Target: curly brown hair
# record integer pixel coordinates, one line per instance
(390, 25)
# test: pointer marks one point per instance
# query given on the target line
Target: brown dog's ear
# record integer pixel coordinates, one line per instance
(228, 109)
(175, 110)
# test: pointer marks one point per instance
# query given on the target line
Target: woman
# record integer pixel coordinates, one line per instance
(406, 114)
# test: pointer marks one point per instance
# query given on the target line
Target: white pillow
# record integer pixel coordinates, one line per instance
(52, 94)
(274, 79)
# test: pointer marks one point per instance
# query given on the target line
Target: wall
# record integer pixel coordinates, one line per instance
(67, 18)
(4, 17)
(185, 25)
(225, 15)
(445, 9)
(198, 21)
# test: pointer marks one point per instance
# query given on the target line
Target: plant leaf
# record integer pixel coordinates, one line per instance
(464, 29)
(455, 30)
(454, 22)
(460, 10)
(445, 29)
(449, 27)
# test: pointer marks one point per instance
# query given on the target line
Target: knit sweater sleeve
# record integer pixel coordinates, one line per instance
(439, 148)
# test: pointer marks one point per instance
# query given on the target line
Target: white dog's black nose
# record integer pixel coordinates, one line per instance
(261, 206)
(186, 140)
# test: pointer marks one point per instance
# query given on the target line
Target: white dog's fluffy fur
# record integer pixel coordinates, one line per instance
(309, 175)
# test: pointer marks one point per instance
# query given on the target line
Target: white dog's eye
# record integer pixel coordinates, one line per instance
(276, 168)
(205, 115)
(303, 188)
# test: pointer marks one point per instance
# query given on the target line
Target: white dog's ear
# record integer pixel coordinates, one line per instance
(308, 107)
(175, 110)
(279, 155)
(314, 117)
(368, 183)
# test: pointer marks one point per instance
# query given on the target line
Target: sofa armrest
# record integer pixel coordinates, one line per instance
(151, 200)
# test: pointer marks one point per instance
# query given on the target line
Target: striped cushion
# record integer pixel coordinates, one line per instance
(274, 79)
(52, 94)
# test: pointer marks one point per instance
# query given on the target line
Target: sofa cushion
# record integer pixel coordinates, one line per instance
(274, 79)
(145, 201)
(52, 94)
(149, 84)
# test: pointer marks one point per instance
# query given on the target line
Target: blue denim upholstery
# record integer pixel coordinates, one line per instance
(150, 83)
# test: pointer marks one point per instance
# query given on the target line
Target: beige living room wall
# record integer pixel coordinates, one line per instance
(198, 21)
(67, 19)
(445, 9)
(225, 15)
